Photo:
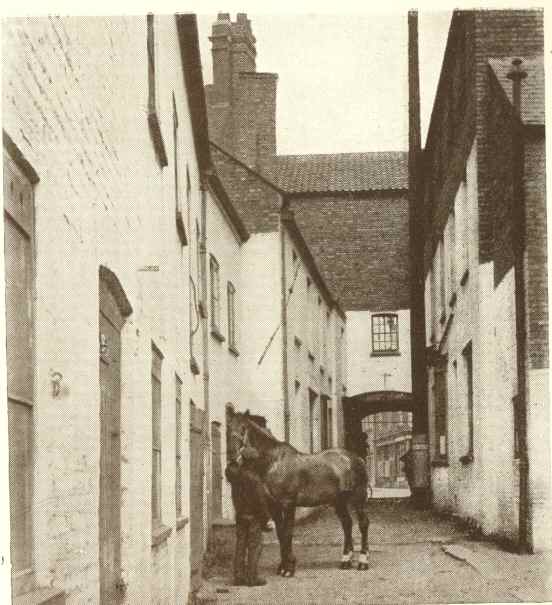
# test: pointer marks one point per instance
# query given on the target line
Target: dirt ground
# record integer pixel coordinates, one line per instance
(415, 557)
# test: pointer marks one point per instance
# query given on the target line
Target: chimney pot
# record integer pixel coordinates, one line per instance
(242, 18)
(516, 74)
(223, 17)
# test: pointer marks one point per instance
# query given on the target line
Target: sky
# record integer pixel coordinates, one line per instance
(342, 83)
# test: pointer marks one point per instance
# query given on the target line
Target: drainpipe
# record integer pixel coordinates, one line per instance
(420, 423)
(525, 539)
(205, 347)
(285, 371)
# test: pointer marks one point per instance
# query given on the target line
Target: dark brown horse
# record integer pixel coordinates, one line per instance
(335, 476)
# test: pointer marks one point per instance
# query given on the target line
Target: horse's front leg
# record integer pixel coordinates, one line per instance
(289, 561)
(342, 512)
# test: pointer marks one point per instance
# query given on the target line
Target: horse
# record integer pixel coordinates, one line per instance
(334, 476)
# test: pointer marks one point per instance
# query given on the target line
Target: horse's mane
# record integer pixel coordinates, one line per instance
(264, 433)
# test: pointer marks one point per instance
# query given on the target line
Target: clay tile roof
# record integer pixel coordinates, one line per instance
(340, 172)
(532, 87)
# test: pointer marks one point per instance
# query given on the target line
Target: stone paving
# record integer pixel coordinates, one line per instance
(415, 558)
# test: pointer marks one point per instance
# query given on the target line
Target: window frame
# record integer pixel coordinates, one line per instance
(179, 215)
(154, 121)
(23, 221)
(387, 350)
(156, 438)
(178, 449)
(214, 298)
(232, 326)
(467, 356)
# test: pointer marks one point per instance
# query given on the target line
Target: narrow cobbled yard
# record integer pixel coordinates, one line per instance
(415, 557)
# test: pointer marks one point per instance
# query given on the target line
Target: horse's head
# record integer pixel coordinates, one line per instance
(238, 433)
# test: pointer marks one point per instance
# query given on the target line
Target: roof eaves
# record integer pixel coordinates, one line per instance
(288, 219)
(228, 207)
(252, 171)
(186, 25)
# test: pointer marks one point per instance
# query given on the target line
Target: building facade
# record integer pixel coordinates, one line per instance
(116, 399)
(486, 292)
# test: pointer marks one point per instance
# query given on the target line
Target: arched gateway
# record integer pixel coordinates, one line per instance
(359, 406)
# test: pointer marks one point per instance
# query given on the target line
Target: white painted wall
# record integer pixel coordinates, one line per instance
(365, 369)
(486, 489)
(225, 368)
(75, 98)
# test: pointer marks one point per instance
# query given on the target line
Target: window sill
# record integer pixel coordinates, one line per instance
(298, 341)
(160, 535)
(215, 333)
(440, 462)
(311, 356)
(194, 367)
(385, 354)
(466, 458)
(181, 230)
(157, 138)
(181, 522)
(233, 350)
(465, 277)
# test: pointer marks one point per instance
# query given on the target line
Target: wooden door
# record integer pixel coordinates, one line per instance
(19, 270)
(111, 322)
(197, 495)
(216, 473)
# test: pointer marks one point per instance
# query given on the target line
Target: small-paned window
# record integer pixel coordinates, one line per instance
(153, 115)
(156, 363)
(215, 294)
(385, 333)
(178, 446)
(232, 327)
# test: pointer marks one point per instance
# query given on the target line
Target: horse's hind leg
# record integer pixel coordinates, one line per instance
(342, 512)
(289, 561)
(278, 517)
(363, 524)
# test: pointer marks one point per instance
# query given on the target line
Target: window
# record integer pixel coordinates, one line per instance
(385, 333)
(156, 362)
(442, 293)
(180, 228)
(19, 242)
(440, 400)
(153, 116)
(312, 409)
(231, 298)
(215, 297)
(178, 447)
(468, 372)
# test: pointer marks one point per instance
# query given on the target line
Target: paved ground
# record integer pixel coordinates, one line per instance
(415, 558)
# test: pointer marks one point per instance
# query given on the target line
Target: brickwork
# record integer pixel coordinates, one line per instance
(498, 33)
(241, 102)
(503, 162)
(536, 250)
(257, 202)
(360, 245)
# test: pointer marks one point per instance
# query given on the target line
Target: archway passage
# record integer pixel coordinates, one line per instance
(383, 440)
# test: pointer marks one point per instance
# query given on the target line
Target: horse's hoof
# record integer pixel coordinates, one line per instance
(362, 566)
(288, 574)
(346, 565)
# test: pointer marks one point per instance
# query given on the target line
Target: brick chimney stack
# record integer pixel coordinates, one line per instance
(241, 102)
(233, 50)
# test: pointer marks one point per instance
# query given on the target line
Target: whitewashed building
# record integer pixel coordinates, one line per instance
(108, 189)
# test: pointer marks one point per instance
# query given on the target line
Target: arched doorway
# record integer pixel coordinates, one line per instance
(378, 426)
(114, 308)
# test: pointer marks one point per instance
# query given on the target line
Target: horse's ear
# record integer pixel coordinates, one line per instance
(246, 413)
